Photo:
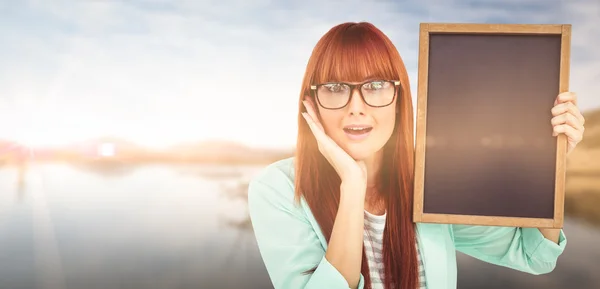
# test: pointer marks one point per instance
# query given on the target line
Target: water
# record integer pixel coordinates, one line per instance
(63, 226)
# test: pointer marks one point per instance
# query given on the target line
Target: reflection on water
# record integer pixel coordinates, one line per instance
(65, 226)
(22, 170)
(155, 227)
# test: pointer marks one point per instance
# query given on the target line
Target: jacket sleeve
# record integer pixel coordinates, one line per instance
(523, 249)
(286, 240)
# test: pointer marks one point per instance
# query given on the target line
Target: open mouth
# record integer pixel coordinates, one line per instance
(358, 130)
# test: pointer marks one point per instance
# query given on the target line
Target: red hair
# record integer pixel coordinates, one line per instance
(354, 52)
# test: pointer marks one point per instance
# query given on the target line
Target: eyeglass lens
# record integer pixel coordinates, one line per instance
(337, 95)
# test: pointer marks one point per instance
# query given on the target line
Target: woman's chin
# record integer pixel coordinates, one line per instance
(359, 151)
(360, 154)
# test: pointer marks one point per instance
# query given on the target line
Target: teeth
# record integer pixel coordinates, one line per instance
(357, 128)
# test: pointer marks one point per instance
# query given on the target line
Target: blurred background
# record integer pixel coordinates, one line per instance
(129, 130)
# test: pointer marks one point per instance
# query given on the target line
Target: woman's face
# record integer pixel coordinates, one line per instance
(361, 130)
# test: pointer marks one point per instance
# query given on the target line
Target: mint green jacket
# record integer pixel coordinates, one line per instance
(290, 240)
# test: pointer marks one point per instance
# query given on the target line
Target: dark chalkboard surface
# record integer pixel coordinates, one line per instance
(485, 154)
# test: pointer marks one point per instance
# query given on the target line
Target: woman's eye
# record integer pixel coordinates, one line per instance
(335, 87)
(374, 85)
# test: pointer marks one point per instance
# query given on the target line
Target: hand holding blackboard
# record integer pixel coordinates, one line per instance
(567, 119)
(490, 98)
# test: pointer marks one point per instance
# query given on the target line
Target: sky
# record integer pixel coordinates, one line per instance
(164, 72)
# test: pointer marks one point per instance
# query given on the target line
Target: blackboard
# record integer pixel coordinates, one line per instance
(484, 150)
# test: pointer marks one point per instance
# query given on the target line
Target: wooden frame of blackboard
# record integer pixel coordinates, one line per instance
(554, 219)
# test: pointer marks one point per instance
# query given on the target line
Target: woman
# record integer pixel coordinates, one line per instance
(338, 215)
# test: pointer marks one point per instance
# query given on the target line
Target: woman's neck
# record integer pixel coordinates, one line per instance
(373, 200)
(373, 164)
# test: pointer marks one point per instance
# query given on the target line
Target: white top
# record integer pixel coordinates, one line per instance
(373, 239)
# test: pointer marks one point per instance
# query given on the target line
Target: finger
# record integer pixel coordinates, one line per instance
(317, 131)
(310, 107)
(569, 119)
(569, 131)
(362, 165)
(325, 143)
(568, 107)
(312, 113)
(311, 124)
(566, 97)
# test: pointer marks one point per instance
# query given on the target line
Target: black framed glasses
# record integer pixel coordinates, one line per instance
(375, 93)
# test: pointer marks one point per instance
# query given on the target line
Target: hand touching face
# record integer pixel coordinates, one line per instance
(359, 129)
